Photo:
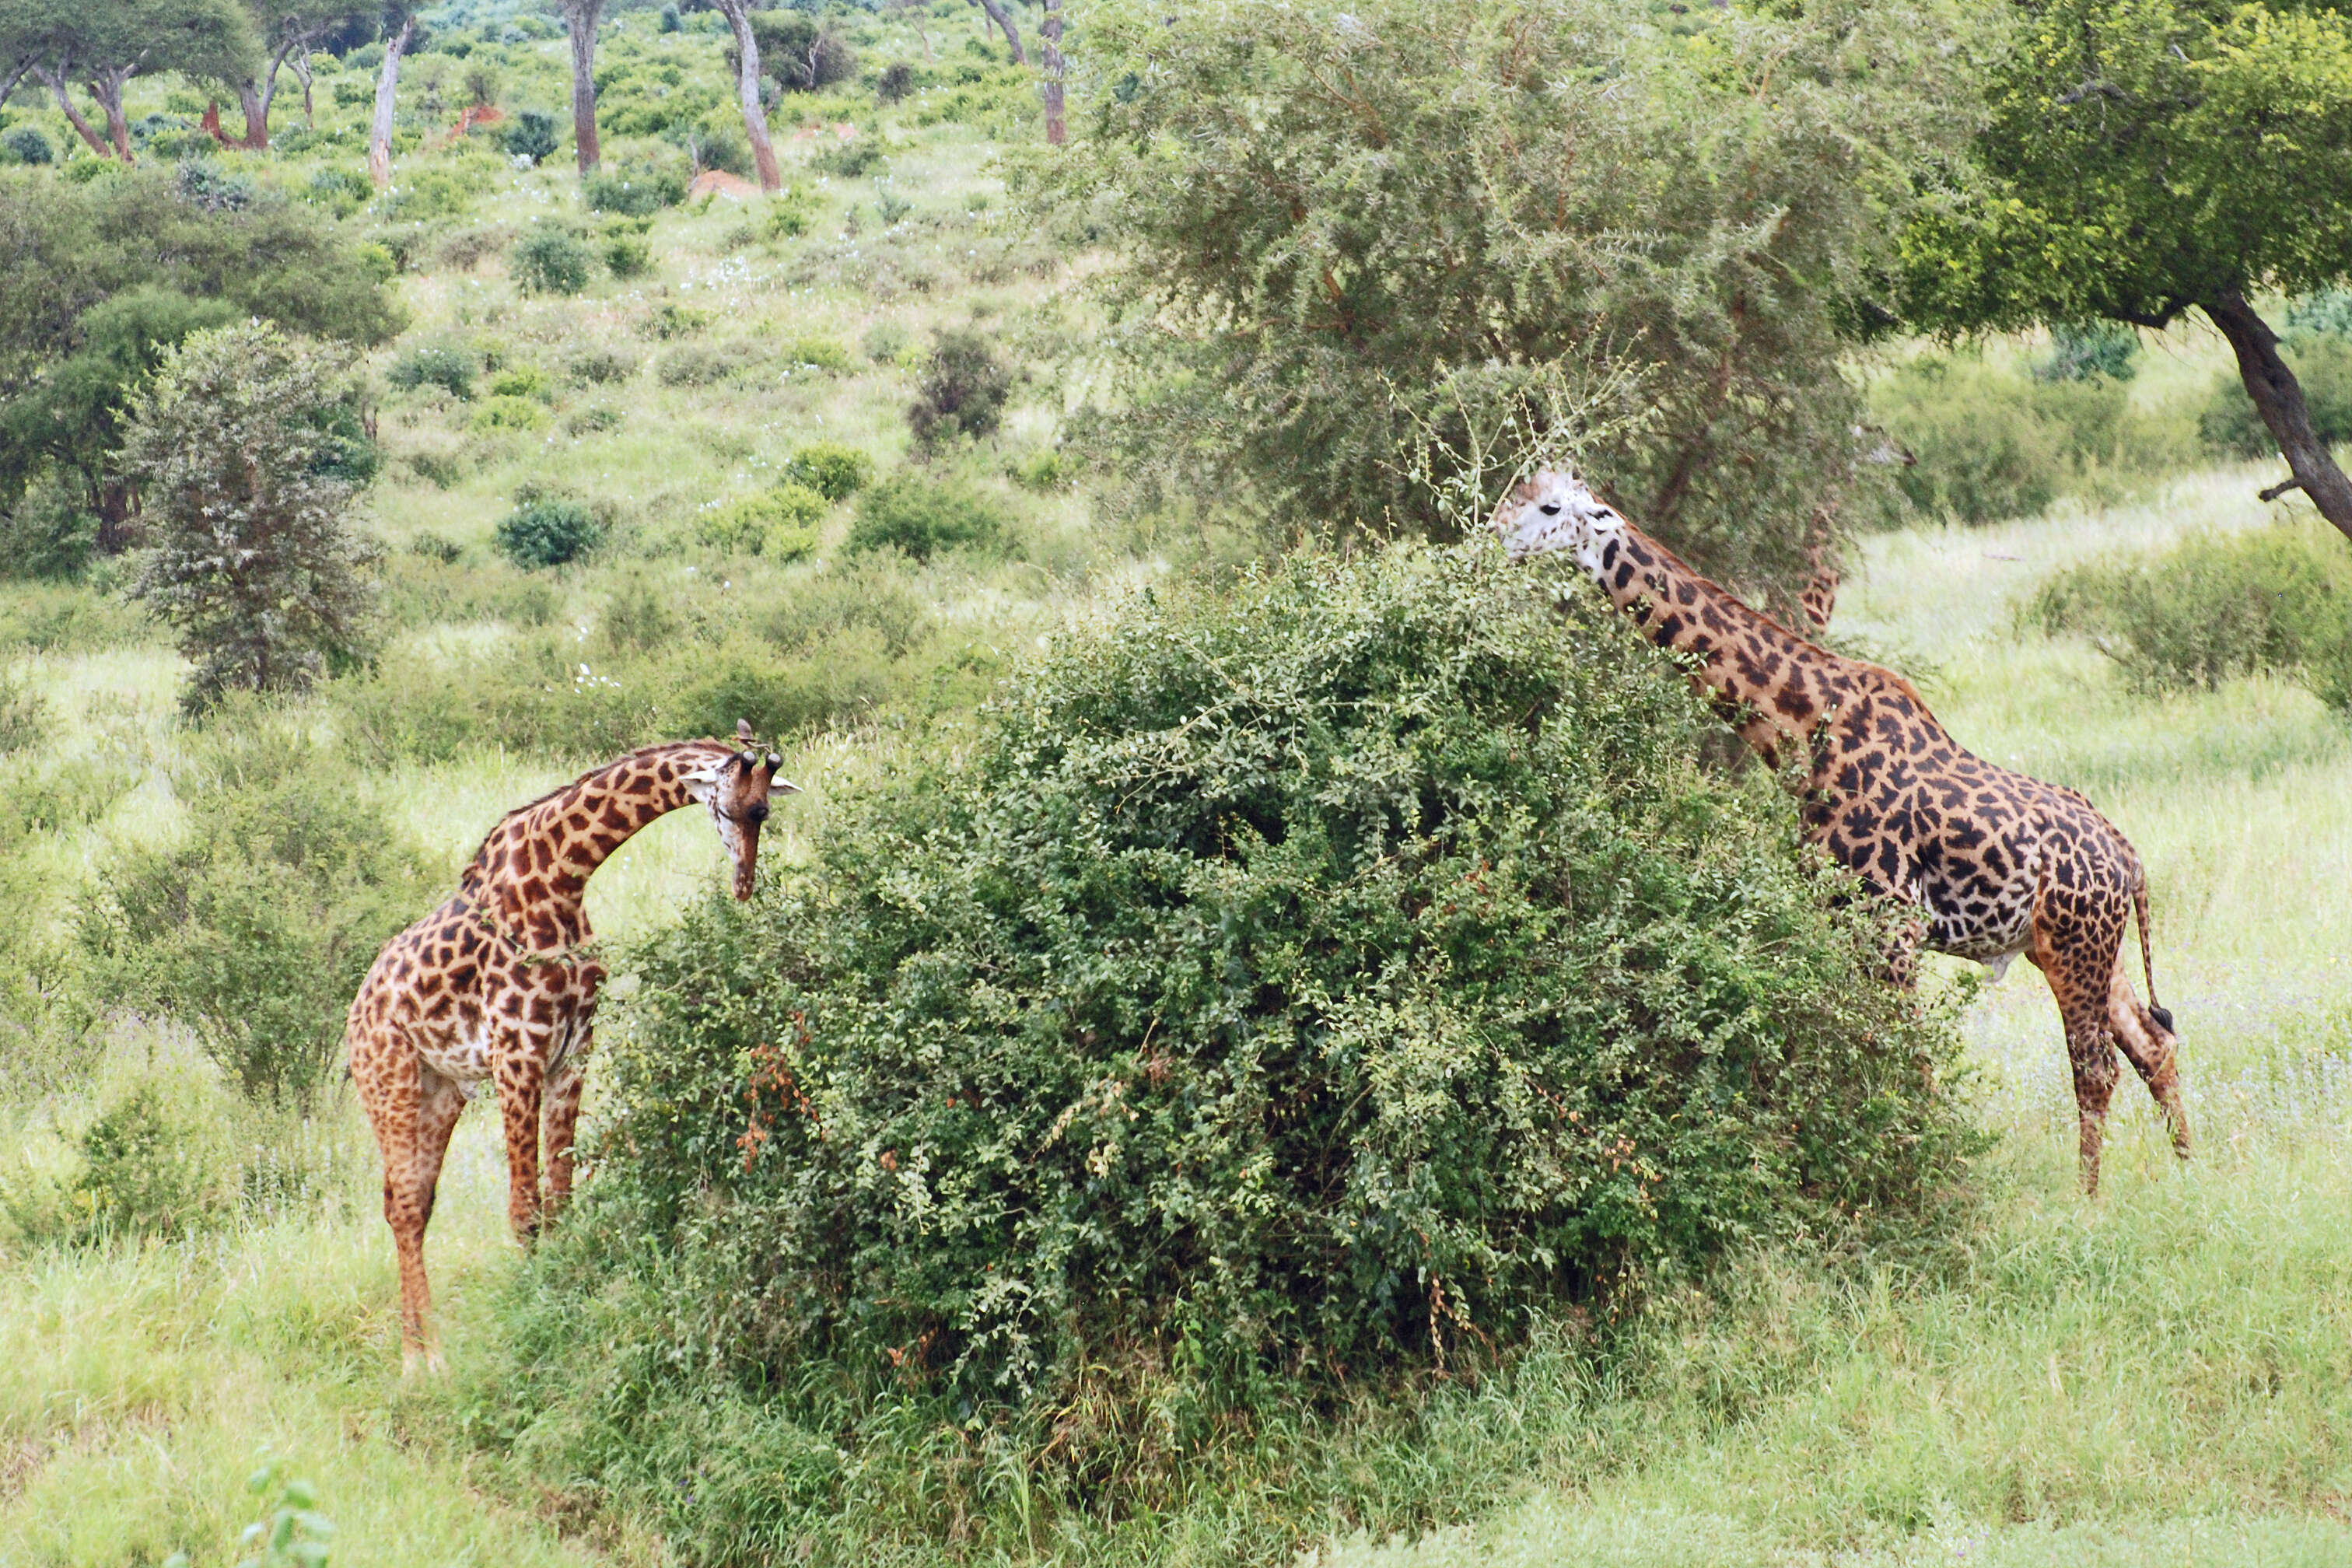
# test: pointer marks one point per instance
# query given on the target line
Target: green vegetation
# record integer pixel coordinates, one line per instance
(546, 531)
(2134, 159)
(1192, 1049)
(2215, 608)
(1335, 302)
(237, 449)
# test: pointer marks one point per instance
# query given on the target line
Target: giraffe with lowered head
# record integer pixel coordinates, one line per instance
(1998, 864)
(499, 984)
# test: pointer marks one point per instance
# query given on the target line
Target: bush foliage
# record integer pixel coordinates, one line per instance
(1512, 219)
(1988, 444)
(1276, 990)
(924, 517)
(2214, 607)
(547, 531)
(255, 931)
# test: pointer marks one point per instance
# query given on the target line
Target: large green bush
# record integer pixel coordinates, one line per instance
(924, 517)
(256, 930)
(2322, 362)
(2212, 607)
(1988, 444)
(1275, 990)
(547, 531)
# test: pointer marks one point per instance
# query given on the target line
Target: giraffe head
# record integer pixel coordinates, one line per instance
(1554, 511)
(735, 786)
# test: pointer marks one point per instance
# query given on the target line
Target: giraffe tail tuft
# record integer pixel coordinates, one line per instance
(2147, 962)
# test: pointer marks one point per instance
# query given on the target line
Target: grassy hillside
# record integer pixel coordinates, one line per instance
(2161, 1375)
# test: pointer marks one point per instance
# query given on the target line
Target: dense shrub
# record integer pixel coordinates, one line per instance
(242, 446)
(817, 353)
(896, 83)
(781, 523)
(2322, 362)
(255, 931)
(550, 260)
(699, 365)
(1988, 444)
(835, 471)
(600, 364)
(530, 134)
(547, 531)
(498, 415)
(923, 517)
(962, 390)
(451, 367)
(27, 144)
(626, 256)
(2087, 353)
(1273, 992)
(633, 193)
(2212, 607)
(831, 471)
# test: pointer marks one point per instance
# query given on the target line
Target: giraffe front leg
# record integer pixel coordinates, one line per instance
(560, 1116)
(522, 1082)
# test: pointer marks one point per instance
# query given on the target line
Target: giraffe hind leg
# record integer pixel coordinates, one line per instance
(412, 1179)
(2145, 1037)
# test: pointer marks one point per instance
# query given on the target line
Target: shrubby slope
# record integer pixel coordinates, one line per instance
(1280, 987)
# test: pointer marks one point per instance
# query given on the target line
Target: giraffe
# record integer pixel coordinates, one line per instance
(499, 984)
(1996, 864)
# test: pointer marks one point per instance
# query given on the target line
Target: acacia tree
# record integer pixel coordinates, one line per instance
(233, 448)
(1365, 239)
(288, 30)
(400, 27)
(581, 18)
(1050, 29)
(2145, 158)
(1003, 20)
(747, 92)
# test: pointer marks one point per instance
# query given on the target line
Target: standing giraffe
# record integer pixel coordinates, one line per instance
(1998, 864)
(501, 983)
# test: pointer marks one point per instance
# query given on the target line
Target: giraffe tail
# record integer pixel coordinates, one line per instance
(2147, 964)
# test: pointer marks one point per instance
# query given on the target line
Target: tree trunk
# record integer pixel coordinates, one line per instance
(747, 88)
(256, 116)
(106, 86)
(387, 85)
(582, 15)
(301, 63)
(56, 84)
(997, 15)
(15, 77)
(211, 123)
(2278, 397)
(1057, 128)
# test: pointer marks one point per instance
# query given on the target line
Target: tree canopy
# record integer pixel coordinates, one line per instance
(1397, 223)
(96, 280)
(2142, 158)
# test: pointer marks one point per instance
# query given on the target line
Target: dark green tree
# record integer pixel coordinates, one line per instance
(235, 447)
(1362, 240)
(97, 280)
(2140, 159)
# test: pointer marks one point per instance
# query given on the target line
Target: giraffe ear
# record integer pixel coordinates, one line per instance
(743, 731)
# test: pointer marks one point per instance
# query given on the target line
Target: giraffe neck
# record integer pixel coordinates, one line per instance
(1771, 684)
(531, 873)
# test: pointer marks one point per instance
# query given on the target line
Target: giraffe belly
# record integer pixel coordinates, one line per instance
(1991, 924)
(461, 1054)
